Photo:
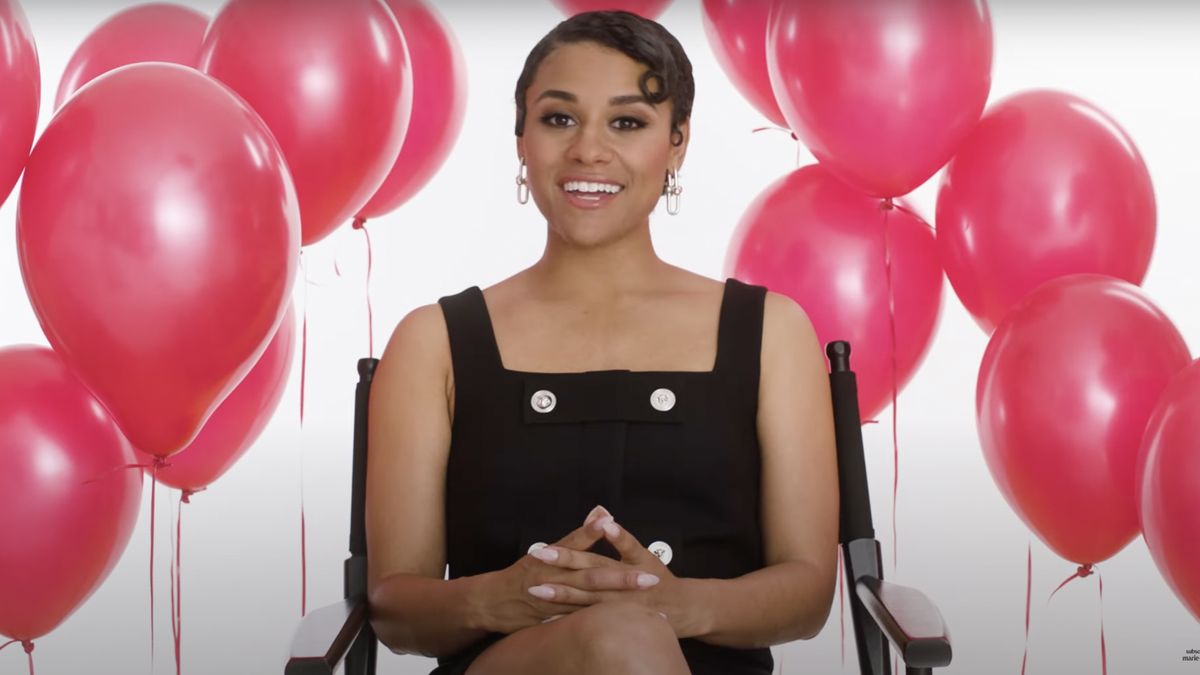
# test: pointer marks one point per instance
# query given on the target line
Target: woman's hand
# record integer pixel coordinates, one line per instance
(655, 585)
(535, 589)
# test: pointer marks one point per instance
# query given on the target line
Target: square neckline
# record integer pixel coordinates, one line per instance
(499, 361)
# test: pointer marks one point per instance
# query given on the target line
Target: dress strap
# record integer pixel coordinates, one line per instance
(739, 331)
(473, 347)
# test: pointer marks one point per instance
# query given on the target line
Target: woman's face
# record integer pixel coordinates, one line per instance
(596, 151)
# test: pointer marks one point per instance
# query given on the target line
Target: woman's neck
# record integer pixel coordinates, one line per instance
(599, 273)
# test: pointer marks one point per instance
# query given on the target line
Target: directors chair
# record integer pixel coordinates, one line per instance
(881, 612)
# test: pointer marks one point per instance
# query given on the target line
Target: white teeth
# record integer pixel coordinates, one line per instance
(584, 186)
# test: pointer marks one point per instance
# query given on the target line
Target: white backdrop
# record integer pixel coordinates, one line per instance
(958, 539)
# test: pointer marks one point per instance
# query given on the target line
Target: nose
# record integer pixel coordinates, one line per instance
(589, 145)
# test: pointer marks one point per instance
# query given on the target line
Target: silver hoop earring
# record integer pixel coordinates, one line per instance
(674, 190)
(522, 183)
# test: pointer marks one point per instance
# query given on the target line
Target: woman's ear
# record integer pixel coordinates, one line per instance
(678, 151)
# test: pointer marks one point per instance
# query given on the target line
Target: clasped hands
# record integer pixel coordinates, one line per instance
(565, 577)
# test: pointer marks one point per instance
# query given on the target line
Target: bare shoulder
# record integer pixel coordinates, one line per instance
(785, 326)
(421, 335)
(417, 353)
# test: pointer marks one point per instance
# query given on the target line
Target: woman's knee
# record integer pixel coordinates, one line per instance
(625, 637)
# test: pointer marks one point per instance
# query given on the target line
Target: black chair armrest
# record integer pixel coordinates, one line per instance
(909, 619)
(324, 636)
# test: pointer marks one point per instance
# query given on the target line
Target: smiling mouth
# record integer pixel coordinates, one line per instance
(590, 195)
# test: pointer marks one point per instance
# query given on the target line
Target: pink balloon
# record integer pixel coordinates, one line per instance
(820, 242)
(882, 93)
(1047, 185)
(238, 421)
(60, 535)
(737, 32)
(20, 93)
(439, 98)
(152, 32)
(1067, 384)
(158, 236)
(333, 82)
(650, 9)
(1170, 486)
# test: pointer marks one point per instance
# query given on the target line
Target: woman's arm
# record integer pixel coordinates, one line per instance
(413, 608)
(790, 597)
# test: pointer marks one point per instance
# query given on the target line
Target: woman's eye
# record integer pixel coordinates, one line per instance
(628, 123)
(556, 119)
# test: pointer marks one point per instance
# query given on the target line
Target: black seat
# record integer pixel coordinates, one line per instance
(881, 612)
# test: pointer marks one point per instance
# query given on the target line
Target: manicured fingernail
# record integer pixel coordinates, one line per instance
(611, 529)
(598, 512)
(545, 554)
(603, 523)
(662, 615)
(646, 580)
(543, 592)
(556, 617)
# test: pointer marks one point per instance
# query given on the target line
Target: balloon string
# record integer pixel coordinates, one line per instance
(1028, 595)
(887, 256)
(361, 224)
(303, 378)
(27, 645)
(1083, 571)
(887, 264)
(303, 343)
(153, 485)
(842, 605)
(786, 131)
(1103, 650)
(176, 579)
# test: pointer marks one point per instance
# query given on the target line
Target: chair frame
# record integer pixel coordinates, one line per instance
(885, 616)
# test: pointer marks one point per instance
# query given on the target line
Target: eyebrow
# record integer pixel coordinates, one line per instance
(567, 96)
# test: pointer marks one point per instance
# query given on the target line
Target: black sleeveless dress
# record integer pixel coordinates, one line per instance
(673, 455)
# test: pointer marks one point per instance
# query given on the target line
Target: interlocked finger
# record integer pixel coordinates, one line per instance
(572, 559)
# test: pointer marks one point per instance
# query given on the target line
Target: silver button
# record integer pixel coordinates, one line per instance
(543, 401)
(661, 550)
(662, 399)
(536, 546)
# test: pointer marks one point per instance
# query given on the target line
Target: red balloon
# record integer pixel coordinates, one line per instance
(152, 32)
(238, 421)
(1047, 185)
(737, 32)
(882, 93)
(439, 98)
(1067, 384)
(650, 9)
(1170, 486)
(21, 87)
(822, 243)
(333, 82)
(158, 235)
(60, 535)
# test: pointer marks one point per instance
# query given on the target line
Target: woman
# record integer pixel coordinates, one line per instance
(606, 403)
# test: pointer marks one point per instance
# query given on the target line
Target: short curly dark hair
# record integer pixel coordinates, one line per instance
(642, 40)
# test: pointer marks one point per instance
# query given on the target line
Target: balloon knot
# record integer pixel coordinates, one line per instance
(1084, 570)
(185, 495)
(27, 645)
(160, 462)
(359, 223)
(887, 205)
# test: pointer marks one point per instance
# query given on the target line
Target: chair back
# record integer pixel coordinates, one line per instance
(856, 533)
